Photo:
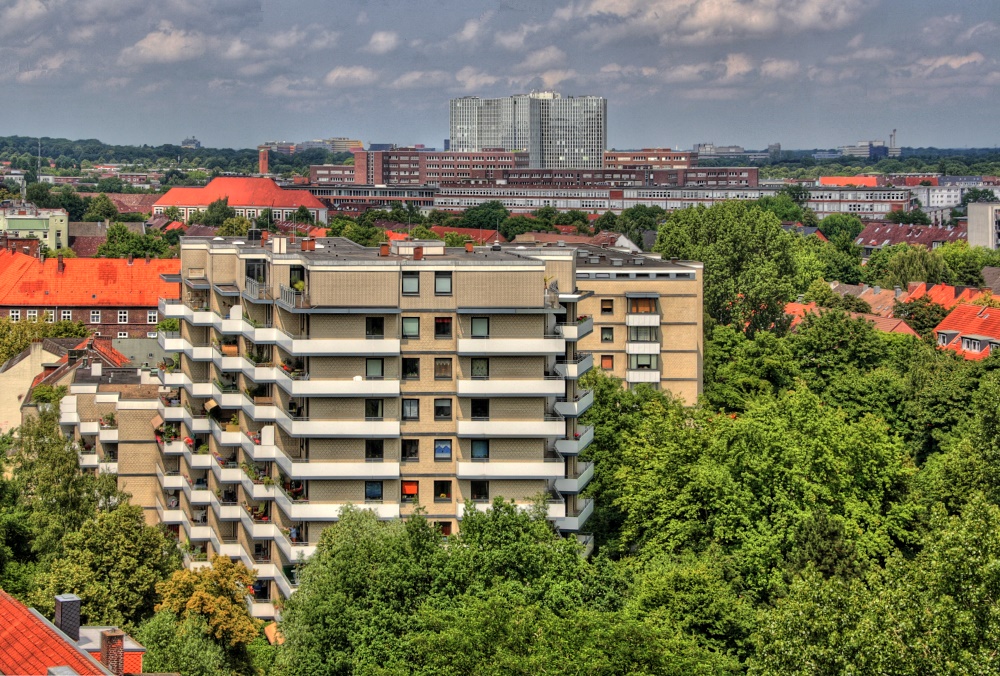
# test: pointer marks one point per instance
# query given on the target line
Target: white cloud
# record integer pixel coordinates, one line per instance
(688, 72)
(543, 59)
(779, 69)
(736, 66)
(382, 42)
(952, 61)
(421, 78)
(514, 40)
(471, 79)
(286, 87)
(164, 45)
(473, 28)
(979, 31)
(350, 76)
(864, 54)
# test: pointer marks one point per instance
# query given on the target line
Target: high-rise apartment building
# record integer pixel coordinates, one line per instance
(318, 373)
(556, 131)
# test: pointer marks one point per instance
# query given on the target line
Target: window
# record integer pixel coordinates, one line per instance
(15, 315)
(442, 327)
(374, 369)
(411, 409)
(410, 490)
(442, 491)
(971, 345)
(373, 491)
(442, 449)
(442, 283)
(32, 315)
(607, 306)
(95, 316)
(50, 316)
(411, 327)
(123, 316)
(480, 491)
(373, 450)
(442, 409)
(943, 338)
(607, 334)
(480, 449)
(66, 315)
(444, 527)
(375, 327)
(442, 369)
(642, 361)
(123, 334)
(480, 409)
(373, 409)
(607, 362)
(642, 306)
(480, 327)
(151, 334)
(151, 317)
(411, 368)
(481, 368)
(411, 283)
(642, 334)
(410, 450)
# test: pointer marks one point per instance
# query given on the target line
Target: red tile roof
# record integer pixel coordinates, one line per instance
(944, 294)
(129, 203)
(969, 321)
(478, 236)
(798, 311)
(241, 192)
(85, 282)
(31, 645)
(174, 225)
(392, 235)
(104, 348)
(86, 247)
(878, 234)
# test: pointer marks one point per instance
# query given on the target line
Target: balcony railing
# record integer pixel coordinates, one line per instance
(255, 289)
(293, 298)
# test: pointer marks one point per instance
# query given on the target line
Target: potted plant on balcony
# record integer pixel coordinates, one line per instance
(108, 420)
(234, 423)
(299, 286)
(268, 481)
(202, 449)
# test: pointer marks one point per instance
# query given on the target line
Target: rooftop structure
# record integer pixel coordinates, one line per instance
(973, 331)
(650, 158)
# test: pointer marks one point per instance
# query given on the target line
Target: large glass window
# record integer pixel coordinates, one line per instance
(442, 283)
(442, 409)
(411, 368)
(480, 367)
(642, 361)
(411, 327)
(442, 327)
(373, 409)
(442, 491)
(480, 409)
(442, 449)
(480, 491)
(375, 327)
(374, 368)
(123, 316)
(442, 368)
(480, 449)
(411, 409)
(373, 491)
(374, 450)
(642, 305)
(411, 283)
(410, 450)
(642, 334)
(480, 327)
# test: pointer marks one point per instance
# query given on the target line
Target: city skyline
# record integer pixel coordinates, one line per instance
(804, 73)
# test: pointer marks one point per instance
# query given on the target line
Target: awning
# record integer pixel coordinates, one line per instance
(156, 421)
(210, 404)
(410, 488)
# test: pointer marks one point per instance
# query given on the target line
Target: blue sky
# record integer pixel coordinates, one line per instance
(805, 73)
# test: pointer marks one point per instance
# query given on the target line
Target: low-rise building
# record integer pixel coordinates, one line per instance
(973, 331)
(650, 158)
(877, 235)
(249, 197)
(23, 219)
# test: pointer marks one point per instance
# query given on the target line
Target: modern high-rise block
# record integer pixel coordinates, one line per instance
(319, 373)
(557, 132)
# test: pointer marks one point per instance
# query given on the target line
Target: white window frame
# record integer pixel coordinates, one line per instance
(151, 334)
(122, 334)
(152, 317)
(32, 315)
(50, 316)
(95, 316)
(66, 315)
(15, 315)
(122, 313)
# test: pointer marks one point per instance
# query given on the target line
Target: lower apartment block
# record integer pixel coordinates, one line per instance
(310, 375)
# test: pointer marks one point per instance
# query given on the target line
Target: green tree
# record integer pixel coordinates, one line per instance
(922, 314)
(635, 221)
(456, 239)
(516, 225)
(487, 216)
(121, 242)
(101, 209)
(607, 221)
(236, 226)
(978, 195)
(183, 647)
(912, 217)
(783, 206)
(173, 213)
(302, 215)
(215, 215)
(17, 336)
(834, 224)
(749, 263)
(545, 215)
(916, 264)
(264, 220)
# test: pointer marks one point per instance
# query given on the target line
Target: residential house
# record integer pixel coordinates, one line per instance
(973, 331)
(249, 197)
(878, 235)
(23, 219)
(798, 310)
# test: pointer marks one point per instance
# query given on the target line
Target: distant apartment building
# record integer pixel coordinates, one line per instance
(938, 196)
(353, 200)
(865, 202)
(337, 144)
(113, 297)
(710, 151)
(337, 174)
(871, 150)
(319, 373)
(191, 143)
(411, 166)
(650, 158)
(984, 224)
(23, 219)
(248, 196)
(555, 131)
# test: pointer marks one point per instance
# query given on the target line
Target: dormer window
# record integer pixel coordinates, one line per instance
(943, 339)
(971, 345)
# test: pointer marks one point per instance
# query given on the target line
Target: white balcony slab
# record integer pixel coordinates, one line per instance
(574, 409)
(574, 331)
(642, 376)
(259, 374)
(108, 435)
(107, 467)
(258, 530)
(227, 363)
(171, 342)
(262, 611)
(293, 551)
(87, 460)
(199, 352)
(645, 319)
(371, 429)
(337, 470)
(511, 428)
(259, 334)
(330, 511)
(171, 481)
(89, 427)
(577, 484)
(633, 347)
(169, 516)
(224, 436)
(339, 387)
(512, 470)
(573, 370)
(228, 511)
(576, 445)
(257, 491)
(574, 524)
(338, 347)
(511, 346)
(501, 387)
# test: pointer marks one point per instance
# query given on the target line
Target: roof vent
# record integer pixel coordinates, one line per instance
(617, 262)
(639, 261)
(495, 247)
(595, 260)
(561, 242)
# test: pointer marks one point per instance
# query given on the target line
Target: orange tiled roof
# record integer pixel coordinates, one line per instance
(241, 192)
(85, 282)
(174, 225)
(30, 645)
(860, 181)
(944, 294)
(478, 236)
(969, 321)
(798, 311)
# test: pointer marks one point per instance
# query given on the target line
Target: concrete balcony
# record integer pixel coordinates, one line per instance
(197, 496)
(225, 511)
(229, 473)
(257, 529)
(230, 326)
(261, 409)
(108, 435)
(198, 532)
(576, 445)
(642, 348)
(574, 331)
(261, 445)
(170, 481)
(171, 308)
(572, 370)
(576, 408)
(293, 550)
(525, 429)
(257, 491)
(227, 396)
(308, 427)
(585, 472)
(574, 522)
(225, 434)
(169, 516)
(494, 346)
(262, 610)
(197, 423)
(176, 378)
(87, 460)
(89, 427)
(501, 387)
(339, 387)
(642, 376)
(198, 460)
(642, 319)
(107, 467)
(539, 469)
(175, 447)
(299, 346)
(259, 373)
(199, 352)
(302, 510)
(227, 362)
(259, 334)
(171, 341)
(337, 470)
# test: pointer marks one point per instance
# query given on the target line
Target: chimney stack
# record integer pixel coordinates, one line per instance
(469, 247)
(113, 650)
(308, 244)
(147, 259)
(383, 249)
(130, 259)
(59, 264)
(418, 253)
(68, 615)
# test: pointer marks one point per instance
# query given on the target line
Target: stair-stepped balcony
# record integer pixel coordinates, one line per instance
(196, 527)
(171, 513)
(225, 467)
(259, 445)
(197, 453)
(197, 422)
(257, 521)
(226, 429)
(298, 383)
(306, 345)
(493, 345)
(576, 442)
(225, 505)
(226, 393)
(292, 543)
(259, 367)
(575, 330)
(230, 322)
(87, 457)
(196, 490)
(171, 341)
(108, 429)
(572, 369)
(301, 509)
(573, 521)
(543, 386)
(485, 469)
(258, 404)
(226, 357)
(300, 469)
(546, 426)
(576, 484)
(574, 408)
(256, 483)
(170, 479)
(257, 291)
(300, 426)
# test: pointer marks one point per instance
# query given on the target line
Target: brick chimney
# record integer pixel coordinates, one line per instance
(469, 247)
(68, 615)
(130, 259)
(264, 234)
(113, 650)
(59, 264)
(383, 249)
(418, 253)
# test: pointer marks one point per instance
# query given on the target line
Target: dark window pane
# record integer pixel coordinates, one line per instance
(442, 491)
(480, 367)
(480, 409)
(480, 449)
(411, 368)
(442, 327)
(410, 450)
(373, 408)
(442, 409)
(480, 491)
(373, 491)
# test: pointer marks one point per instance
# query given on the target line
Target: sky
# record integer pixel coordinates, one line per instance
(236, 73)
